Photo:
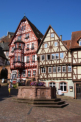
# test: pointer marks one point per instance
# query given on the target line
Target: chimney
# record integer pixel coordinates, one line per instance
(61, 37)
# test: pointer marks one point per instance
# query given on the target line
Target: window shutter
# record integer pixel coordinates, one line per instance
(24, 58)
(35, 57)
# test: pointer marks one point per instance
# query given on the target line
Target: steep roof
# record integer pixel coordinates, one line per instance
(67, 43)
(45, 36)
(75, 36)
(4, 42)
(2, 53)
(38, 34)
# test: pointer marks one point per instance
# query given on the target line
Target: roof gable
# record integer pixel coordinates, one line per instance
(37, 33)
(55, 34)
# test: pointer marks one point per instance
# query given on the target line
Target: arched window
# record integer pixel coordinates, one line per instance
(51, 84)
(63, 86)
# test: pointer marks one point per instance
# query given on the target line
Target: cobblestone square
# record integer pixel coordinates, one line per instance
(11, 111)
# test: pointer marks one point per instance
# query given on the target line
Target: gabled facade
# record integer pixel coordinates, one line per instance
(55, 62)
(22, 50)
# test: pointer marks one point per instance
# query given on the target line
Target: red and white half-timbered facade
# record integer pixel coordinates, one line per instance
(22, 50)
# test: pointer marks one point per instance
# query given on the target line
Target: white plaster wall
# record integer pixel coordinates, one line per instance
(69, 83)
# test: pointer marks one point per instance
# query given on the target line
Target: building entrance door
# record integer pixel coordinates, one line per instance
(78, 91)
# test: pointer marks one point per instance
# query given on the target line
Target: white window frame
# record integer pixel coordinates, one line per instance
(54, 56)
(52, 35)
(60, 56)
(19, 58)
(12, 48)
(41, 57)
(33, 57)
(54, 68)
(48, 69)
(79, 42)
(51, 84)
(58, 67)
(63, 86)
(28, 57)
(47, 57)
(43, 70)
(27, 45)
(71, 69)
(23, 74)
(55, 44)
(62, 68)
(29, 73)
(45, 45)
(34, 73)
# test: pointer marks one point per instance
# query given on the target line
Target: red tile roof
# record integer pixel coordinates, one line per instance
(67, 43)
(74, 39)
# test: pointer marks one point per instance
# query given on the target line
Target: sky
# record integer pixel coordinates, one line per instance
(63, 15)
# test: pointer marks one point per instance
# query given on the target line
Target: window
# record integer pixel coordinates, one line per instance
(15, 58)
(53, 56)
(23, 27)
(54, 69)
(18, 58)
(45, 45)
(19, 37)
(22, 58)
(52, 34)
(23, 73)
(12, 49)
(69, 69)
(34, 72)
(80, 42)
(48, 57)
(49, 69)
(27, 59)
(58, 69)
(32, 46)
(7, 54)
(27, 46)
(29, 73)
(61, 55)
(42, 57)
(18, 73)
(63, 86)
(43, 70)
(27, 36)
(63, 68)
(33, 58)
(56, 44)
(19, 44)
(52, 84)
(57, 56)
(16, 45)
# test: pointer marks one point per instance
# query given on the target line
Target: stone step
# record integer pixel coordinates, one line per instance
(56, 99)
(48, 102)
(53, 106)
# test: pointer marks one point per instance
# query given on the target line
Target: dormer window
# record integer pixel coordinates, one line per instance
(12, 49)
(80, 42)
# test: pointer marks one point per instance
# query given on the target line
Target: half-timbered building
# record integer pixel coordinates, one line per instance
(55, 62)
(22, 50)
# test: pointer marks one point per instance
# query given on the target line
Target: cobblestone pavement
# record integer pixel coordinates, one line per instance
(11, 111)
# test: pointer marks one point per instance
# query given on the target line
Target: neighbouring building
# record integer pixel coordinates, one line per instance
(59, 62)
(22, 50)
(5, 60)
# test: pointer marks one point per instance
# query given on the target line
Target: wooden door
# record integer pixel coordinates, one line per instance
(78, 91)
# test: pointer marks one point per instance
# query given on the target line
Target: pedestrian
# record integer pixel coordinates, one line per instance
(9, 88)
